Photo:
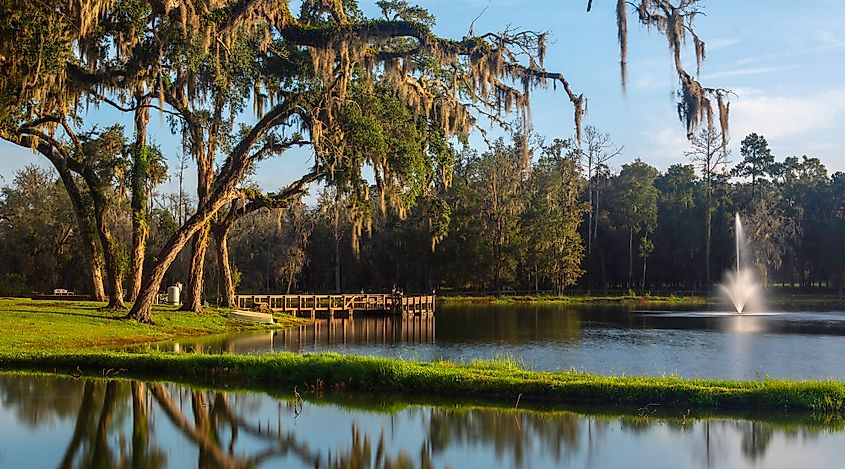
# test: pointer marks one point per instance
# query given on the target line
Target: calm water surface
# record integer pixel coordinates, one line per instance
(798, 344)
(58, 422)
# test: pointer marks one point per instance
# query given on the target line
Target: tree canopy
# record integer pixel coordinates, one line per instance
(246, 80)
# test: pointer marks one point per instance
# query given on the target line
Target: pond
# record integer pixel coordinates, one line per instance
(65, 422)
(606, 340)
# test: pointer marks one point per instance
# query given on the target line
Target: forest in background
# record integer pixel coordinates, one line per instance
(567, 222)
(377, 94)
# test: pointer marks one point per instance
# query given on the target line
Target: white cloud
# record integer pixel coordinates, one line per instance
(661, 148)
(793, 124)
(780, 117)
(720, 43)
(744, 71)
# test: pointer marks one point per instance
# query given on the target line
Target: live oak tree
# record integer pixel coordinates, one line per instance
(317, 115)
(90, 165)
(201, 62)
(252, 201)
(59, 156)
(100, 165)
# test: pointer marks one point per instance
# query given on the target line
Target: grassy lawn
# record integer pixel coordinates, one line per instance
(53, 325)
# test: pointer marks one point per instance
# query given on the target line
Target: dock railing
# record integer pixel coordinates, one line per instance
(343, 303)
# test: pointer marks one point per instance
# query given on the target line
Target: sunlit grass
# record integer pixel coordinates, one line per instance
(500, 380)
(575, 299)
(46, 325)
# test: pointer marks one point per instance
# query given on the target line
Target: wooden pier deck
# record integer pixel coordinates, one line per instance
(345, 305)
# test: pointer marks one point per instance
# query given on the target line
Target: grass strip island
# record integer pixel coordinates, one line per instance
(495, 380)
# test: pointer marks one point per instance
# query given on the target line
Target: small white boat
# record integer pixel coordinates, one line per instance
(251, 316)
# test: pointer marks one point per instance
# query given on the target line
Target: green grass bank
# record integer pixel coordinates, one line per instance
(63, 325)
(773, 299)
(575, 300)
(500, 381)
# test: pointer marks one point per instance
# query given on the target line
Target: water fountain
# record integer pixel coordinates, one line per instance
(741, 286)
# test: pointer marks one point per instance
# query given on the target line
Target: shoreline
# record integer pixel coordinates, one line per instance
(574, 300)
(634, 299)
(496, 381)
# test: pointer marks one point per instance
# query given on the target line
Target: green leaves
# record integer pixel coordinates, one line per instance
(637, 196)
(758, 161)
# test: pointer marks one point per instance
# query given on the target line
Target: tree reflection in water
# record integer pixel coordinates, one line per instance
(517, 433)
(123, 424)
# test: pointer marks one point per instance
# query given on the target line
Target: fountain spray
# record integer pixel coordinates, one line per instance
(740, 286)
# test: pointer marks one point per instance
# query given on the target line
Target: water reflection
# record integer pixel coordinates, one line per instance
(322, 334)
(606, 340)
(68, 423)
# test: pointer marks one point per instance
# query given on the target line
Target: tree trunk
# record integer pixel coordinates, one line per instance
(227, 282)
(205, 177)
(645, 264)
(196, 280)
(140, 430)
(230, 175)
(144, 303)
(140, 217)
(82, 428)
(115, 279)
(630, 257)
(95, 265)
(113, 274)
(708, 223)
(90, 249)
(290, 282)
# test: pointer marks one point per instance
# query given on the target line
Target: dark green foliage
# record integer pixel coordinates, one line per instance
(554, 213)
(758, 161)
(461, 229)
(36, 45)
(37, 240)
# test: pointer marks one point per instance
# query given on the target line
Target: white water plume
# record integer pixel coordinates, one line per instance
(741, 286)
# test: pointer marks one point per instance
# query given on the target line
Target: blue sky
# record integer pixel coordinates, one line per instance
(782, 59)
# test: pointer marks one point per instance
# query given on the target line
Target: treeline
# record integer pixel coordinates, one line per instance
(241, 82)
(494, 223)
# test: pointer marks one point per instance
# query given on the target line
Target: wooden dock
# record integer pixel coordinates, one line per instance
(345, 305)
